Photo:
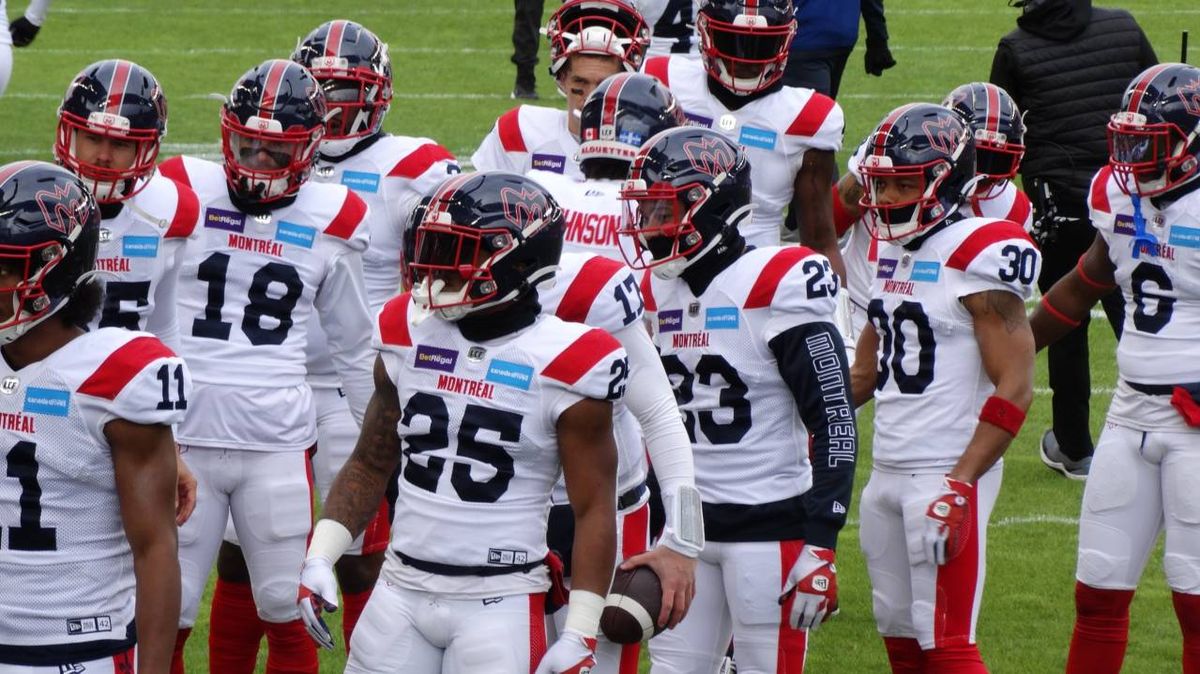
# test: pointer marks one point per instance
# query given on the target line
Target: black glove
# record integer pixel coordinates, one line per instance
(878, 58)
(23, 31)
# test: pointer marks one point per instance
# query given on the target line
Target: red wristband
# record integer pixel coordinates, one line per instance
(1058, 315)
(1002, 414)
(1088, 280)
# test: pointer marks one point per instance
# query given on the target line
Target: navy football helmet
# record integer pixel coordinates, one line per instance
(999, 132)
(621, 114)
(688, 189)
(1154, 141)
(930, 151)
(600, 28)
(49, 232)
(484, 239)
(120, 101)
(354, 69)
(744, 43)
(271, 126)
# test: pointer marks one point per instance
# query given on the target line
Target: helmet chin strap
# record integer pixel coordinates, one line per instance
(674, 268)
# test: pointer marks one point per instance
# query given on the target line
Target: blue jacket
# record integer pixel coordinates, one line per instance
(833, 24)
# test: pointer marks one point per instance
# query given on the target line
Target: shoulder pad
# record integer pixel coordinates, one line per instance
(187, 212)
(594, 295)
(1000, 254)
(508, 128)
(420, 160)
(352, 214)
(1022, 209)
(589, 364)
(820, 112)
(175, 169)
(648, 291)
(762, 293)
(1098, 196)
(658, 67)
(391, 326)
(130, 380)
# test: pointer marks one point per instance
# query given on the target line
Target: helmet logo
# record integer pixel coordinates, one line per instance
(1190, 95)
(711, 156)
(943, 134)
(61, 207)
(522, 207)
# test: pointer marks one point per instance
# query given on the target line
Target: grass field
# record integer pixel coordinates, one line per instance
(452, 80)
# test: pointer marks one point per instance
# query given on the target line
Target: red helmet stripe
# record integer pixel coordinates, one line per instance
(752, 7)
(608, 113)
(116, 87)
(271, 87)
(1135, 101)
(993, 108)
(13, 169)
(885, 127)
(439, 202)
(333, 43)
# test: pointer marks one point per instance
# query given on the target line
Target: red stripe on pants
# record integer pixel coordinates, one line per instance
(635, 535)
(956, 584)
(537, 630)
(792, 643)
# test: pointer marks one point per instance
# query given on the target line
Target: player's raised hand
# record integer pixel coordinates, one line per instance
(318, 592)
(948, 522)
(573, 653)
(812, 585)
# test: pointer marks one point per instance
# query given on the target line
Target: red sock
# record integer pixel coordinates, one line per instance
(352, 607)
(1187, 610)
(963, 659)
(905, 655)
(177, 659)
(1101, 630)
(236, 630)
(289, 649)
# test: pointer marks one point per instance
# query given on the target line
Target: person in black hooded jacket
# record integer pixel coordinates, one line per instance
(1067, 65)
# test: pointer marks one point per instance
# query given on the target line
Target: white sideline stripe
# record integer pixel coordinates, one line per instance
(265, 51)
(1096, 391)
(274, 11)
(431, 96)
(1014, 520)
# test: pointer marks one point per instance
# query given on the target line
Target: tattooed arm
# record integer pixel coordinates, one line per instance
(359, 486)
(1006, 346)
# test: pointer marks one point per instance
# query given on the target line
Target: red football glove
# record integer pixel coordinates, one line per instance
(812, 584)
(948, 522)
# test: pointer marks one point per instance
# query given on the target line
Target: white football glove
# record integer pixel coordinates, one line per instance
(318, 592)
(948, 522)
(573, 653)
(813, 584)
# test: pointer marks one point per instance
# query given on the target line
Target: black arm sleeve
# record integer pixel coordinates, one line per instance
(1004, 73)
(812, 361)
(874, 21)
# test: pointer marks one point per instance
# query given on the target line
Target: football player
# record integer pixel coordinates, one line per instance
(760, 376)
(999, 132)
(948, 356)
(275, 248)
(788, 134)
(19, 33)
(111, 140)
(672, 24)
(1146, 209)
(589, 41)
(593, 288)
(487, 399)
(88, 506)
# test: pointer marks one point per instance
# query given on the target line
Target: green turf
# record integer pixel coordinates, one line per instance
(452, 80)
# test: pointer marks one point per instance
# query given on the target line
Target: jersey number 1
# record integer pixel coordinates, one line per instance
(30, 535)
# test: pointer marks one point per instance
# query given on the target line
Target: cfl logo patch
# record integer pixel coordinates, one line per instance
(941, 509)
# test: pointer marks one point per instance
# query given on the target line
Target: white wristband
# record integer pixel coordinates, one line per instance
(583, 612)
(330, 539)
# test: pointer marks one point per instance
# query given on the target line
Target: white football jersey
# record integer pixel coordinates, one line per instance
(391, 176)
(601, 293)
(775, 131)
(67, 567)
(749, 442)
(141, 250)
(673, 26)
(1010, 204)
(480, 441)
(592, 209)
(245, 297)
(1161, 286)
(530, 137)
(931, 382)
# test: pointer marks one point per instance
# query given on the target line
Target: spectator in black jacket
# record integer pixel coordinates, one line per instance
(1067, 65)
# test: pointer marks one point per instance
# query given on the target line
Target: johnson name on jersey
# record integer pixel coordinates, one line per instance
(600, 293)
(775, 131)
(245, 298)
(1159, 276)
(530, 137)
(749, 442)
(592, 209)
(480, 451)
(68, 588)
(931, 383)
(141, 250)
(391, 175)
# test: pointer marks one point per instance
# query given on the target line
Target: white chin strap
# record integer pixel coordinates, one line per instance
(267, 189)
(338, 147)
(428, 294)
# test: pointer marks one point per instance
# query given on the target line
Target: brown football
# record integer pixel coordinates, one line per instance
(631, 610)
